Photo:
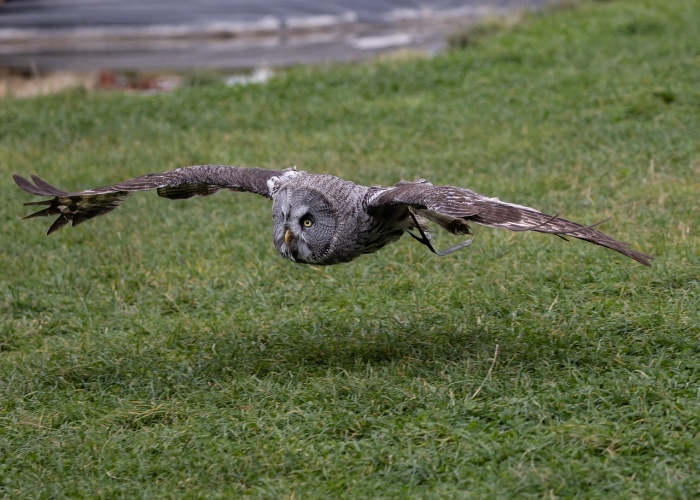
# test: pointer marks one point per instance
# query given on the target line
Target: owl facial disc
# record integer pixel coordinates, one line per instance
(303, 224)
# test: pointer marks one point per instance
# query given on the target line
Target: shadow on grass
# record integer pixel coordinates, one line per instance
(129, 360)
(201, 351)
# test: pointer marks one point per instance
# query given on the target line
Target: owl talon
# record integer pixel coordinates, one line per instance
(424, 239)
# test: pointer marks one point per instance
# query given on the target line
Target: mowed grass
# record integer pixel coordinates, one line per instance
(166, 350)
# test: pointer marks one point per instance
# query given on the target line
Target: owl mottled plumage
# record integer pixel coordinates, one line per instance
(322, 219)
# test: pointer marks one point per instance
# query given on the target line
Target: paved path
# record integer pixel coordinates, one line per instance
(179, 34)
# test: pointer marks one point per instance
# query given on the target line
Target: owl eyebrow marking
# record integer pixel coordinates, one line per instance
(425, 240)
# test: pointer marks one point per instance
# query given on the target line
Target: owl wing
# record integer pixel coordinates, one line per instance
(181, 183)
(453, 208)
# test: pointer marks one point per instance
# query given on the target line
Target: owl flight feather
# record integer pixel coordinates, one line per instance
(322, 219)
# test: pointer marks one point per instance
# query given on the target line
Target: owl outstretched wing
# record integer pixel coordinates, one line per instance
(181, 183)
(453, 208)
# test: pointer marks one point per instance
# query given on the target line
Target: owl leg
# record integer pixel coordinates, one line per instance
(425, 240)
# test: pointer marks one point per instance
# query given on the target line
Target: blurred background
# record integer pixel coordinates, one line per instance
(102, 42)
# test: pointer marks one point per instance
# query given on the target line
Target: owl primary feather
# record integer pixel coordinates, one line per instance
(322, 219)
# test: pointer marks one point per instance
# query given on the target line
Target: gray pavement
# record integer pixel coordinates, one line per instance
(48, 35)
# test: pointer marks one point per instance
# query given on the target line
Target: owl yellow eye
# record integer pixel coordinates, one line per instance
(307, 222)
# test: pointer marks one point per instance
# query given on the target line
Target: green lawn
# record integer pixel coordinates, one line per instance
(166, 350)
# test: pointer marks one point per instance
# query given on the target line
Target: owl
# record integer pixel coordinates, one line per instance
(322, 219)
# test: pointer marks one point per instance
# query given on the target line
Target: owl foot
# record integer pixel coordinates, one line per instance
(424, 239)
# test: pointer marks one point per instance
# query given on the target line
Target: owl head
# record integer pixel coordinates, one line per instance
(304, 223)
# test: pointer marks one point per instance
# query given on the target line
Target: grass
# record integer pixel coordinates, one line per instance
(166, 350)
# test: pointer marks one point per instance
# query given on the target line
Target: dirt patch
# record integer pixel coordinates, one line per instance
(22, 85)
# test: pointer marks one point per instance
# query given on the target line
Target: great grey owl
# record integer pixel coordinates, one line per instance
(322, 219)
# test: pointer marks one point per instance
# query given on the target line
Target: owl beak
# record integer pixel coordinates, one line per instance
(288, 236)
